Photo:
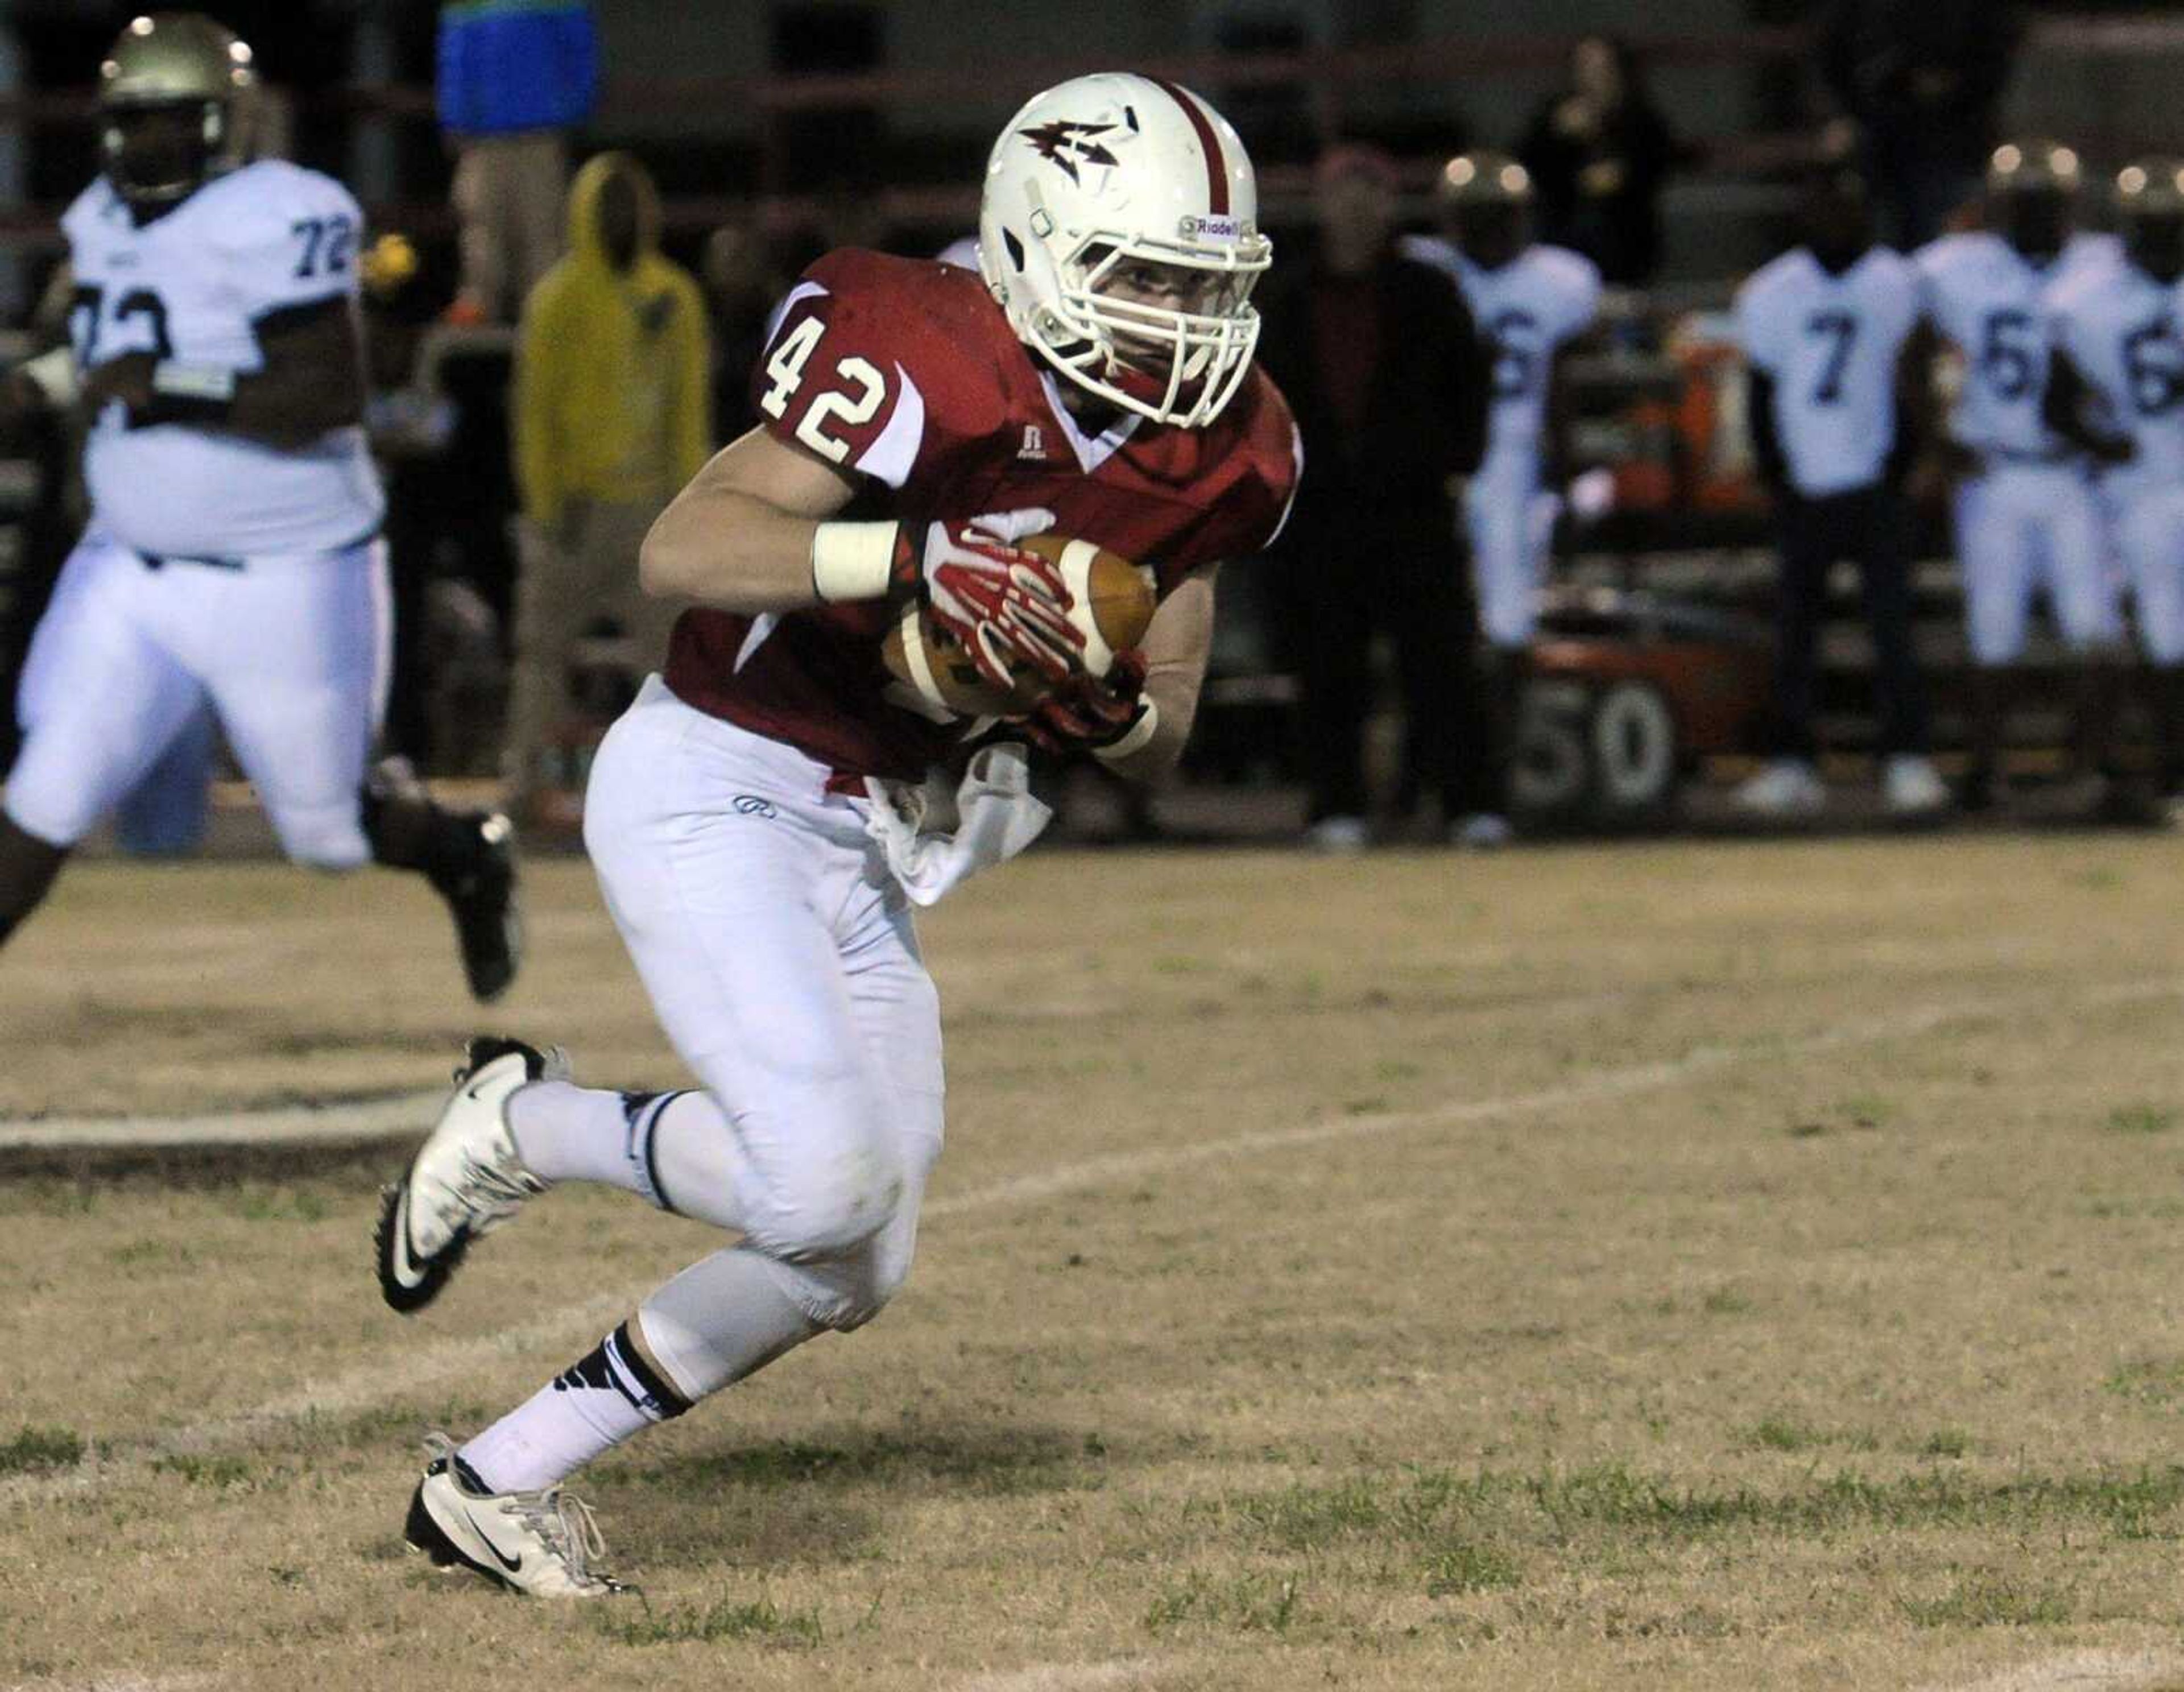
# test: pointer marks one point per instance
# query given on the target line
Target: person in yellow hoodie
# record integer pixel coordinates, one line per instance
(611, 414)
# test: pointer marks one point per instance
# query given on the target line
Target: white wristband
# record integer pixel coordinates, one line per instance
(179, 380)
(1141, 731)
(853, 561)
(55, 375)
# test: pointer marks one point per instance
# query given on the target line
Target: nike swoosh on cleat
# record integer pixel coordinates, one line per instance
(515, 1567)
(400, 1263)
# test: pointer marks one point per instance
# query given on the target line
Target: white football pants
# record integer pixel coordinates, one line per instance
(2149, 532)
(2020, 527)
(292, 651)
(779, 953)
(1511, 524)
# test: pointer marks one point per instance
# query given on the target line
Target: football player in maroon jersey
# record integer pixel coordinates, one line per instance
(747, 816)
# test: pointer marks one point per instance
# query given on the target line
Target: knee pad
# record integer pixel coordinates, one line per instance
(832, 1207)
(846, 1292)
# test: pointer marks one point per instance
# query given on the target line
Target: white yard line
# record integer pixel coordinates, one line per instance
(413, 1368)
(1604, 1084)
(405, 1114)
(117, 1682)
(1075, 1677)
(360, 1389)
(2084, 1670)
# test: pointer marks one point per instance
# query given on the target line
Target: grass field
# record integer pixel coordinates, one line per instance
(1722, 1267)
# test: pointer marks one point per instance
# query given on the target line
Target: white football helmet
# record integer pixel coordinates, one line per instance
(1106, 194)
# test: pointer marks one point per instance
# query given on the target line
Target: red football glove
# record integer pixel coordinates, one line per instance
(1089, 714)
(1004, 604)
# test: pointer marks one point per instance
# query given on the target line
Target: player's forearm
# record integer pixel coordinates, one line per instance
(312, 381)
(732, 551)
(286, 412)
(744, 536)
(2064, 406)
(1173, 691)
(1178, 648)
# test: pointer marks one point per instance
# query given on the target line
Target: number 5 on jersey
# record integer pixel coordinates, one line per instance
(785, 373)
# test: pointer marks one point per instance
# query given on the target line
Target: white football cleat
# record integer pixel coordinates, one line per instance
(1339, 836)
(540, 1544)
(466, 1179)
(1484, 830)
(1910, 787)
(1787, 788)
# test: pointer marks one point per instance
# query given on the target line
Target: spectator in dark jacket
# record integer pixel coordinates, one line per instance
(1921, 82)
(1391, 382)
(1600, 153)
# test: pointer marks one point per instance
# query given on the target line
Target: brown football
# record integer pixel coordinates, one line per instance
(1111, 600)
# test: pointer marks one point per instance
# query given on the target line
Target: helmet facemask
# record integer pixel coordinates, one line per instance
(156, 152)
(1112, 331)
(2154, 242)
(2038, 222)
(1493, 235)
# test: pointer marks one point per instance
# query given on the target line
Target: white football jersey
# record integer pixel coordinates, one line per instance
(1542, 298)
(1831, 343)
(2120, 330)
(1986, 296)
(191, 286)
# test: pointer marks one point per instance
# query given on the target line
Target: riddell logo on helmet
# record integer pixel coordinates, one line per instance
(1195, 228)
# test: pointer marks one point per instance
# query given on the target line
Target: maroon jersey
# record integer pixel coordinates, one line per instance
(906, 372)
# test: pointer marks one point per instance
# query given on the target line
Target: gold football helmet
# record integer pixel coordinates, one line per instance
(173, 97)
(2032, 195)
(1493, 178)
(1485, 200)
(2149, 202)
(2151, 187)
(2032, 167)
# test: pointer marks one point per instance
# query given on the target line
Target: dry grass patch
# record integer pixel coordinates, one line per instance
(1692, 1267)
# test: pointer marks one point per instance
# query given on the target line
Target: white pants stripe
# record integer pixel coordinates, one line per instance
(293, 653)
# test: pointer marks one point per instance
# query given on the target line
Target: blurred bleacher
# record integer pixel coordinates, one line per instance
(1657, 397)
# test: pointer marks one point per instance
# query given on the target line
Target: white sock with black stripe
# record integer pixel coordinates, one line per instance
(567, 1132)
(605, 1396)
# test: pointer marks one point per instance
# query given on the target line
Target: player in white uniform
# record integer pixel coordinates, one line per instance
(233, 554)
(1533, 300)
(2118, 385)
(1824, 329)
(2026, 515)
